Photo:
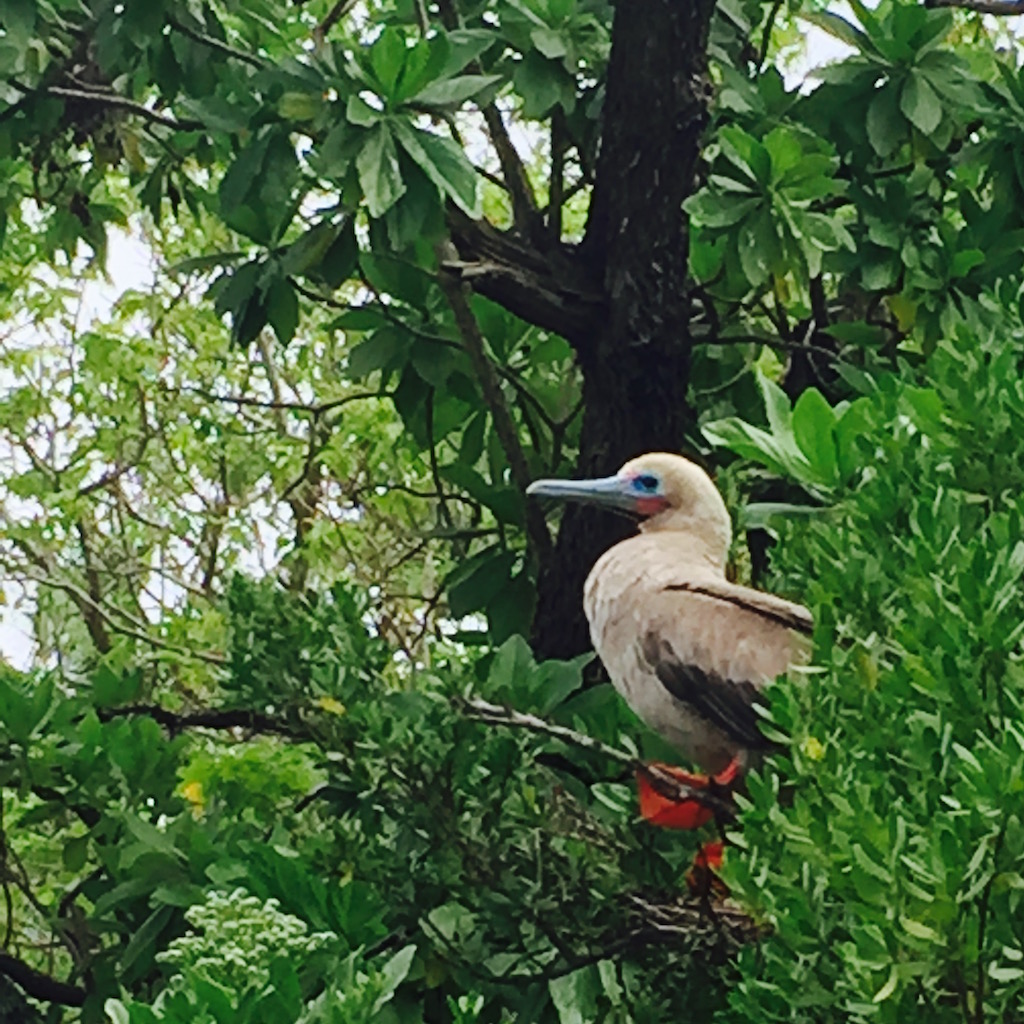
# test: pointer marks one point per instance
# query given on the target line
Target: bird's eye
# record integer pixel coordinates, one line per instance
(646, 482)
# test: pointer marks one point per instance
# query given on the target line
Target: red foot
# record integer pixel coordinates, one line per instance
(666, 812)
(702, 879)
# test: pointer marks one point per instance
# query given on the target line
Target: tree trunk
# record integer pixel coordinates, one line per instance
(636, 365)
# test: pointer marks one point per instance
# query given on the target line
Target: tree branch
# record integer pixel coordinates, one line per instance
(524, 202)
(1001, 8)
(210, 718)
(217, 44)
(490, 386)
(333, 16)
(665, 784)
(547, 287)
(104, 99)
(40, 986)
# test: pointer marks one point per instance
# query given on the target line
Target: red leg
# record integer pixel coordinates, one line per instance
(665, 811)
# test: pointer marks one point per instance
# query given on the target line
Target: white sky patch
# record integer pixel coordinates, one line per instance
(130, 266)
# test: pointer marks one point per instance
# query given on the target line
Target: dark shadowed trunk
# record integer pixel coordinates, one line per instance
(636, 360)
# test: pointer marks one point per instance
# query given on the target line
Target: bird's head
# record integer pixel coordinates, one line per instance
(663, 491)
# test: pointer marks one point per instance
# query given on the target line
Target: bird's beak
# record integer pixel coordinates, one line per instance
(608, 492)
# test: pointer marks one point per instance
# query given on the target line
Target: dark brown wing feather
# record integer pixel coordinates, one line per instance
(726, 703)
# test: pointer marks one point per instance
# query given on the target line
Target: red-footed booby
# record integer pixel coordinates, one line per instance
(689, 651)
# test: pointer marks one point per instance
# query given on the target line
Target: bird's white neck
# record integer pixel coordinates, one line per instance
(706, 539)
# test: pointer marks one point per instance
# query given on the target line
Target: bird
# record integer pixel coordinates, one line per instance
(688, 650)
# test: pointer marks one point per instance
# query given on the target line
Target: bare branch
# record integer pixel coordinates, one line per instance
(333, 16)
(210, 718)
(549, 287)
(218, 45)
(559, 144)
(457, 294)
(40, 986)
(314, 408)
(106, 99)
(766, 38)
(137, 629)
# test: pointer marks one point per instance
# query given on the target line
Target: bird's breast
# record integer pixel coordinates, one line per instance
(616, 600)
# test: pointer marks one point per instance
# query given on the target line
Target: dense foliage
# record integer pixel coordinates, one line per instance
(262, 509)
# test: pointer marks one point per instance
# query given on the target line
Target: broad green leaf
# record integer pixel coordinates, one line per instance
(387, 59)
(282, 305)
(379, 173)
(454, 91)
(719, 211)
(813, 428)
(839, 28)
(746, 154)
(358, 111)
(444, 163)
(920, 104)
(886, 128)
(383, 349)
(758, 246)
(549, 42)
(542, 83)
(394, 973)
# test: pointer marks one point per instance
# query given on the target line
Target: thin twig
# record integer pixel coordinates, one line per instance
(210, 718)
(517, 182)
(314, 408)
(333, 16)
(218, 45)
(557, 188)
(766, 38)
(104, 99)
(138, 630)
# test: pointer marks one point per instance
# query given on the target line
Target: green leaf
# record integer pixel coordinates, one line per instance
(385, 349)
(387, 59)
(888, 988)
(575, 996)
(379, 173)
(394, 972)
(746, 154)
(965, 261)
(282, 305)
(341, 257)
(359, 112)
(814, 431)
(487, 574)
(757, 245)
(886, 128)
(716, 211)
(777, 406)
(838, 27)
(454, 91)
(542, 83)
(75, 853)
(142, 945)
(116, 1011)
(920, 103)
(549, 42)
(444, 163)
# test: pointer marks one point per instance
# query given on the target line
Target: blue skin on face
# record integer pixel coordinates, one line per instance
(647, 484)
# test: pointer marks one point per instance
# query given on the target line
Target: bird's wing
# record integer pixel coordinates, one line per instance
(713, 645)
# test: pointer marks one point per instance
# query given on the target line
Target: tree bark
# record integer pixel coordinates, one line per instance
(636, 363)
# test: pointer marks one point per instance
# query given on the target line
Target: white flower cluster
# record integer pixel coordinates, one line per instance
(237, 936)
